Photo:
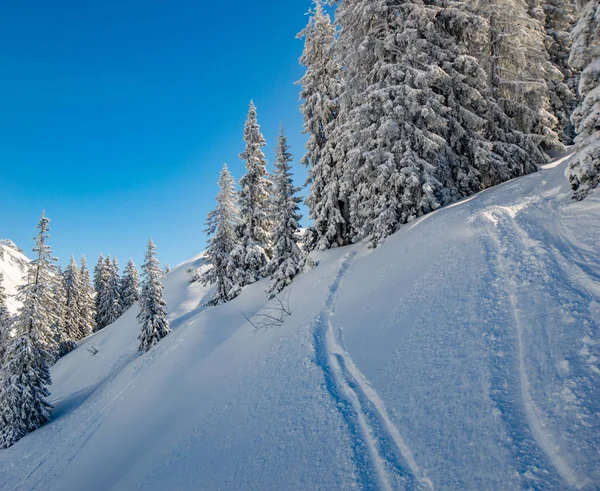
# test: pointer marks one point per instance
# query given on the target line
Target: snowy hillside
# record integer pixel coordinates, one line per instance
(12, 264)
(464, 353)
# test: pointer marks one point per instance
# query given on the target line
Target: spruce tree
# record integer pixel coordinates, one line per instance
(64, 336)
(25, 375)
(130, 286)
(39, 312)
(109, 309)
(101, 275)
(254, 250)
(584, 170)
(519, 69)
(222, 224)
(321, 84)
(87, 305)
(24, 381)
(559, 22)
(153, 309)
(73, 303)
(418, 126)
(287, 256)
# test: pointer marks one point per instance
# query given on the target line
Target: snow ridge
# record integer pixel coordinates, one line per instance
(382, 457)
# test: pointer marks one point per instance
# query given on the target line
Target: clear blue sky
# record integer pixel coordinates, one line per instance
(116, 116)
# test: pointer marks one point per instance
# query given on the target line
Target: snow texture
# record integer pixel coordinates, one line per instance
(463, 353)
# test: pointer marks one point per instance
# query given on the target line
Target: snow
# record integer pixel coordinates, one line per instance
(12, 264)
(461, 354)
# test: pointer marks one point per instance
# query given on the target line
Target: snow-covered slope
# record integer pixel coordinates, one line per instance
(13, 263)
(462, 354)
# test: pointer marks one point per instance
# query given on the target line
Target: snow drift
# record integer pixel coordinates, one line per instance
(463, 353)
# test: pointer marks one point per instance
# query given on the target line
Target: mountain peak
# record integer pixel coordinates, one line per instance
(10, 244)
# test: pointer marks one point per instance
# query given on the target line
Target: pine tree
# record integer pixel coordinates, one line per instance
(321, 89)
(101, 276)
(109, 309)
(73, 303)
(559, 21)
(86, 298)
(4, 320)
(584, 171)
(153, 309)
(418, 128)
(24, 379)
(25, 375)
(39, 310)
(253, 253)
(519, 68)
(64, 338)
(130, 286)
(287, 256)
(222, 225)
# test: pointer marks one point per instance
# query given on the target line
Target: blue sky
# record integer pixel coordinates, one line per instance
(116, 116)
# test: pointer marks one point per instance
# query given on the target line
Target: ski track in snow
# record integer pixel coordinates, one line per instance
(515, 255)
(382, 458)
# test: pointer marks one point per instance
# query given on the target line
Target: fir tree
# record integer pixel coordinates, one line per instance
(287, 256)
(109, 309)
(559, 21)
(519, 68)
(222, 225)
(253, 253)
(584, 171)
(86, 299)
(25, 376)
(418, 128)
(153, 309)
(101, 275)
(64, 336)
(321, 84)
(130, 286)
(73, 303)
(39, 312)
(24, 379)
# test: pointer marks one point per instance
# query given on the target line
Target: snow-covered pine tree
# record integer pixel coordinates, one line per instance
(287, 257)
(38, 312)
(222, 224)
(4, 320)
(321, 89)
(253, 252)
(130, 286)
(66, 333)
(584, 171)
(110, 307)
(24, 381)
(86, 298)
(153, 309)
(101, 275)
(519, 68)
(25, 376)
(71, 309)
(559, 21)
(418, 129)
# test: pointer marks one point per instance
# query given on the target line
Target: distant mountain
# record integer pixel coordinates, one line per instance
(13, 263)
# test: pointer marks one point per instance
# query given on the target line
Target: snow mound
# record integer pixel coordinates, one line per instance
(13, 264)
(464, 353)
